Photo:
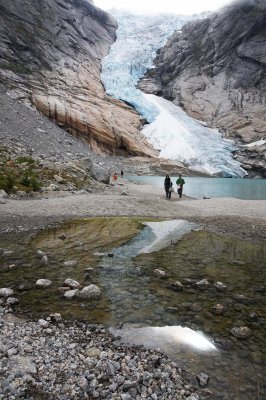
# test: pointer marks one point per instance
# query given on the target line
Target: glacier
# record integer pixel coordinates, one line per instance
(170, 130)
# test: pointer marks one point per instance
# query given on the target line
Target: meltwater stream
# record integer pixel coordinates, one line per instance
(177, 136)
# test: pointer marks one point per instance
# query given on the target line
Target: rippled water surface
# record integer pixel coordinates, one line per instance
(133, 295)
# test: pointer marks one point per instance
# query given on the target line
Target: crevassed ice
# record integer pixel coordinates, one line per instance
(138, 39)
(177, 136)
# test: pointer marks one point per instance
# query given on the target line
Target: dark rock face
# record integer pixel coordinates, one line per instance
(50, 56)
(216, 70)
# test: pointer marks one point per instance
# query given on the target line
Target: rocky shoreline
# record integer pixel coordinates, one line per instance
(55, 359)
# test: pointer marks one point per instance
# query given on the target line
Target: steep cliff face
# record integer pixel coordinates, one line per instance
(216, 70)
(51, 54)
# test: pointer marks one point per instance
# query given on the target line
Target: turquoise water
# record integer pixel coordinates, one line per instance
(246, 189)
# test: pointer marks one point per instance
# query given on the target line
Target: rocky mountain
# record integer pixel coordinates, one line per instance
(215, 69)
(50, 57)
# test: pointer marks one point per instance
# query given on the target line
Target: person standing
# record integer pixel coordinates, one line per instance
(167, 185)
(180, 183)
(122, 173)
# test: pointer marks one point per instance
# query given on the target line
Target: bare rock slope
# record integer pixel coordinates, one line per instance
(50, 57)
(216, 70)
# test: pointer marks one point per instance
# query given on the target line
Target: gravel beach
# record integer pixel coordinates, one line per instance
(241, 218)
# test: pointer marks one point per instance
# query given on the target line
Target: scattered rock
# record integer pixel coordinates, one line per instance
(70, 263)
(177, 286)
(43, 283)
(241, 332)
(71, 293)
(6, 292)
(218, 309)
(71, 283)
(202, 379)
(160, 273)
(203, 284)
(220, 286)
(90, 292)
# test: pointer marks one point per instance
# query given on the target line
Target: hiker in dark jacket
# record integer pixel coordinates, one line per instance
(167, 185)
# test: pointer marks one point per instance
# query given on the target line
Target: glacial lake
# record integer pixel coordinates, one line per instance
(199, 187)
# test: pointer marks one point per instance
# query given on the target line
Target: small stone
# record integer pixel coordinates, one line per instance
(44, 260)
(202, 284)
(56, 317)
(202, 379)
(220, 286)
(62, 236)
(218, 309)
(71, 283)
(241, 332)
(177, 286)
(43, 283)
(6, 292)
(11, 301)
(71, 293)
(160, 273)
(70, 263)
(43, 323)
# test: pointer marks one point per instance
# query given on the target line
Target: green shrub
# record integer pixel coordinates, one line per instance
(29, 179)
(25, 159)
(7, 182)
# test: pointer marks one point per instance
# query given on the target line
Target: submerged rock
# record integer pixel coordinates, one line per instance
(241, 332)
(202, 379)
(70, 263)
(202, 284)
(220, 286)
(177, 286)
(71, 293)
(218, 309)
(160, 273)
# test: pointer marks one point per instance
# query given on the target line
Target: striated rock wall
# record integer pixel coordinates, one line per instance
(216, 70)
(50, 56)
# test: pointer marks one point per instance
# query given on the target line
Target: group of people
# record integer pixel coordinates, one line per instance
(168, 186)
(115, 175)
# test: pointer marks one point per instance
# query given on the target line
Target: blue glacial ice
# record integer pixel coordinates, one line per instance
(170, 130)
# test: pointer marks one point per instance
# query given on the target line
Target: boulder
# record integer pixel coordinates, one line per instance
(6, 292)
(241, 332)
(71, 283)
(3, 194)
(90, 292)
(43, 283)
(71, 293)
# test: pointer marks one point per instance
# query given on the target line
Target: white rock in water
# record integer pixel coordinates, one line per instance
(71, 283)
(71, 293)
(90, 292)
(44, 260)
(202, 284)
(220, 286)
(40, 253)
(11, 301)
(43, 282)
(6, 292)
(70, 263)
(160, 273)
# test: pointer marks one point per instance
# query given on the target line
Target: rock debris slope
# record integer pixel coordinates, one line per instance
(215, 69)
(50, 56)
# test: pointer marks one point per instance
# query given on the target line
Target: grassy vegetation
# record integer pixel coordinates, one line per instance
(18, 174)
(23, 173)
